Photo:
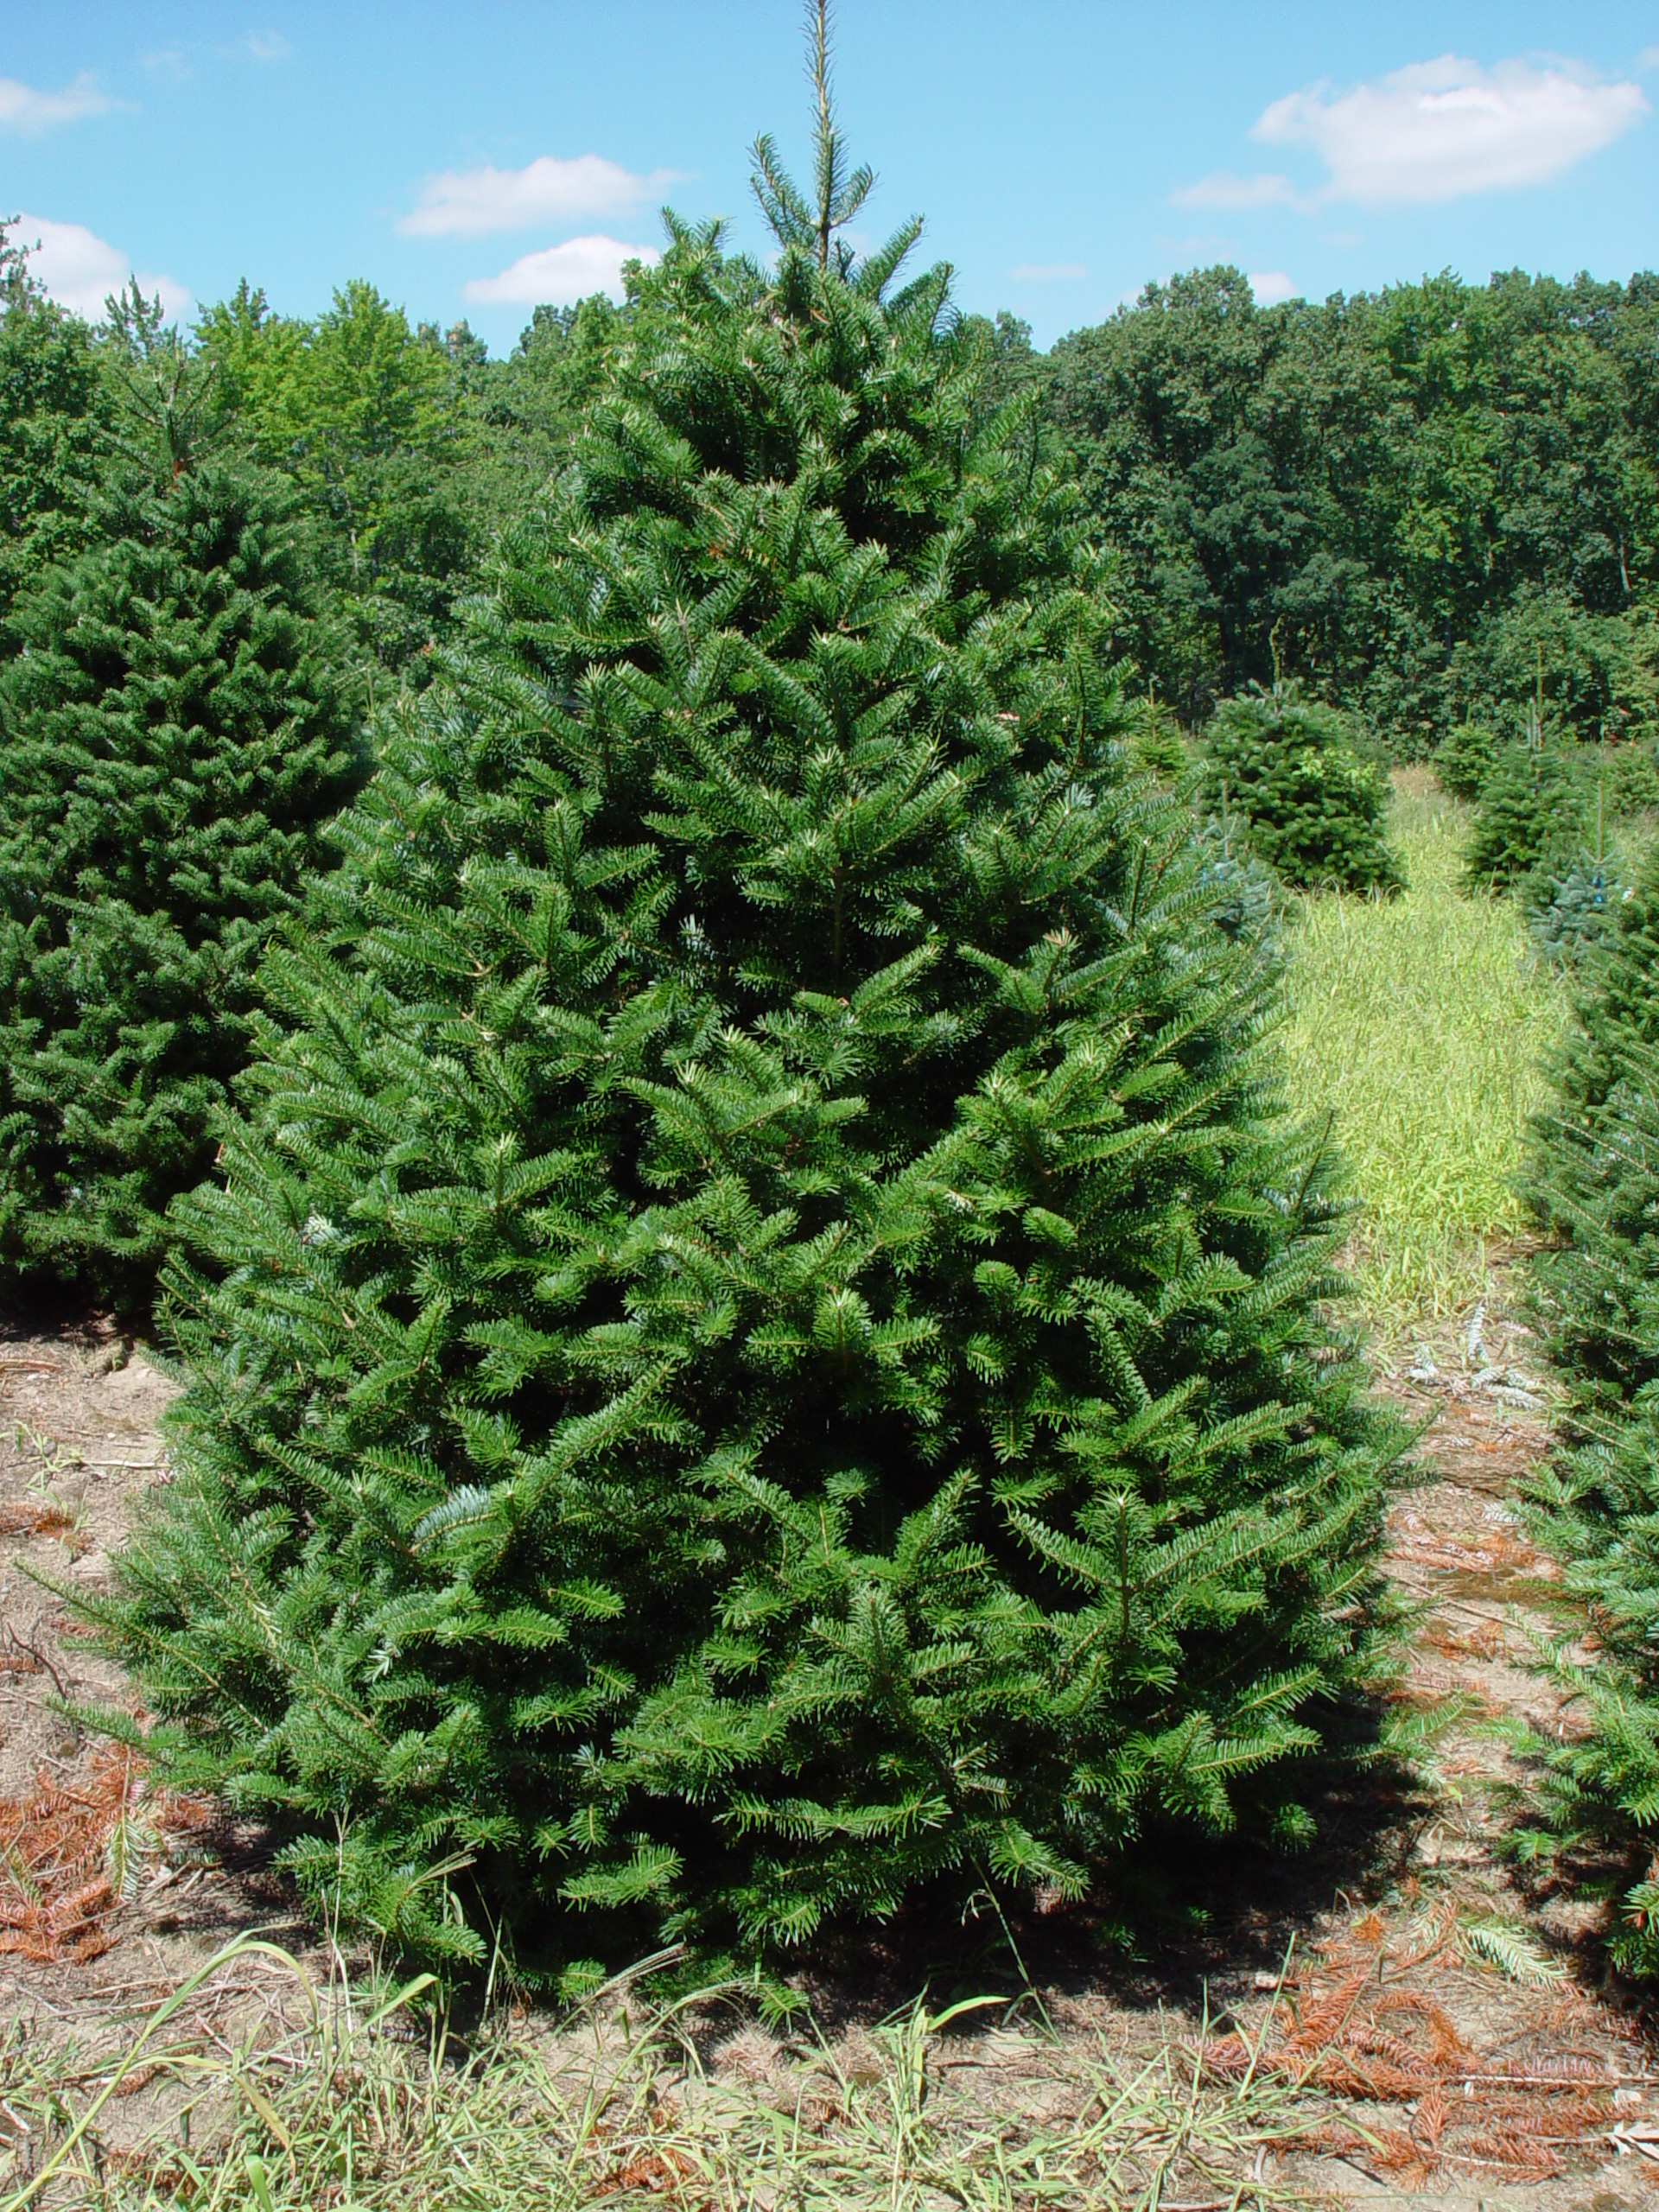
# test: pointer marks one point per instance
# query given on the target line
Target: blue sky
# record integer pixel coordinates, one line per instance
(469, 159)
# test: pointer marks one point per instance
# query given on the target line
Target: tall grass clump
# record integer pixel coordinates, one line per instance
(1429, 1020)
(339, 2100)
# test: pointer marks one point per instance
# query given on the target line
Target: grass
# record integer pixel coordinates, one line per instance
(1428, 1024)
(357, 2110)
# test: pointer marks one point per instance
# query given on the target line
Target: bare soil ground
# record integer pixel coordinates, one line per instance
(1445, 2032)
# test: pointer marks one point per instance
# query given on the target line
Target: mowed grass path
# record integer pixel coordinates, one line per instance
(1426, 1024)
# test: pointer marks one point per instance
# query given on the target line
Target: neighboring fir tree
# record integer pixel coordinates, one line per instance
(173, 732)
(760, 1346)
(1463, 758)
(1631, 775)
(1314, 808)
(1596, 1505)
(1526, 821)
(1578, 1170)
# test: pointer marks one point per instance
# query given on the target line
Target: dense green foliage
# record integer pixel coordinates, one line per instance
(756, 1341)
(1617, 1031)
(209, 547)
(1597, 1186)
(760, 1346)
(1466, 756)
(171, 738)
(1428, 496)
(1314, 808)
(1441, 500)
(52, 405)
(1526, 819)
(410, 450)
(1577, 918)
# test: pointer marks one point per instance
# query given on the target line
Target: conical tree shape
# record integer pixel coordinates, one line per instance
(1312, 809)
(1526, 820)
(172, 738)
(759, 1345)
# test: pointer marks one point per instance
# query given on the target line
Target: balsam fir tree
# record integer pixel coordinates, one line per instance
(1315, 809)
(1582, 1178)
(1526, 819)
(172, 737)
(759, 1347)
(1596, 1505)
(1463, 758)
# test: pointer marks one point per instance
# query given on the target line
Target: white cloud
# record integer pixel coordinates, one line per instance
(165, 61)
(21, 108)
(561, 275)
(1222, 189)
(1046, 272)
(547, 190)
(1270, 286)
(80, 270)
(1440, 130)
(266, 46)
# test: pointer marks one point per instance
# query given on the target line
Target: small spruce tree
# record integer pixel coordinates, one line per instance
(1577, 921)
(1249, 899)
(1526, 821)
(173, 736)
(759, 1347)
(1576, 910)
(1314, 808)
(1463, 758)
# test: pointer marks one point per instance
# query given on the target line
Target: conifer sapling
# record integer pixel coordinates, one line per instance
(174, 732)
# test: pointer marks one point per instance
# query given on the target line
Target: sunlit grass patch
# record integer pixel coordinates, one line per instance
(1426, 1024)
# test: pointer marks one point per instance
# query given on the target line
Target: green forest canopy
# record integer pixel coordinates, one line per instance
(1437, 500)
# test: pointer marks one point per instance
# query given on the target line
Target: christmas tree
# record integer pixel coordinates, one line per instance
(760, 1346)
(1526, 820)
(173, 736)
(1315, 809)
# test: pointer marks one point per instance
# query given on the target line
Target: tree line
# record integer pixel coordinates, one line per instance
(1433, 503)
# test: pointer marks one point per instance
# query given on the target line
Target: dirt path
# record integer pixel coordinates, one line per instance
(1445, 2016)
(1473, 1998)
